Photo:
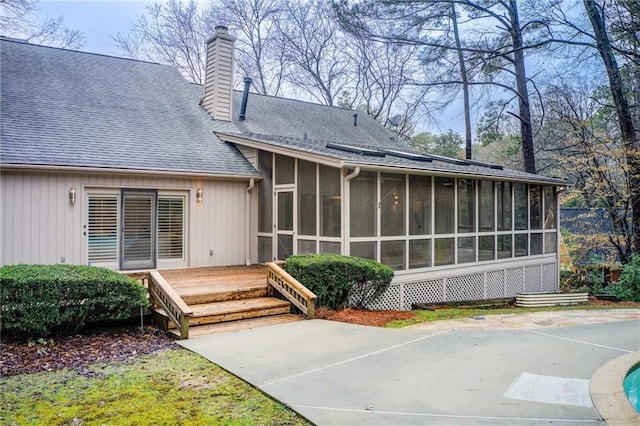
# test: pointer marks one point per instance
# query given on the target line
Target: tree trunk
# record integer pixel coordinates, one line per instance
(465, 84)
(627, 131)
(521, 87)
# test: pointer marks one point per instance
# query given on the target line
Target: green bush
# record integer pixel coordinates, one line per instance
(41, 300)
(340, 281)
(628, 287)
(581, 278)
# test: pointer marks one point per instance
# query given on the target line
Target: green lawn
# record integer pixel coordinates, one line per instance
(167, 388)
(455, 313)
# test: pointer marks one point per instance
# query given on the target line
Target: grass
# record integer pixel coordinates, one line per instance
(455, 313)
(167, 388)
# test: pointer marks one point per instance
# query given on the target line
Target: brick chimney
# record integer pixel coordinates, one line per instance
(218, 82)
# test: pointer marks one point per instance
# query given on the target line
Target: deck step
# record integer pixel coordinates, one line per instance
(211, 313)
(203, 294)
(238, 325)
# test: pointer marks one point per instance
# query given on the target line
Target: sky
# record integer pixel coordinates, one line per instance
(98, 20)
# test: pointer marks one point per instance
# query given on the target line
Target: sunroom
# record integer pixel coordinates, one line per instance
(451, 229)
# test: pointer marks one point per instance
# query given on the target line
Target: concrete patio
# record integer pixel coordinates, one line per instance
(334, 373)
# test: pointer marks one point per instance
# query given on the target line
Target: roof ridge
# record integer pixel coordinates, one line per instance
(27, 42)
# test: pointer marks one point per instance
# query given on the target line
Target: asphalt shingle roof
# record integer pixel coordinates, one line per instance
(66, 108)
(312, 128)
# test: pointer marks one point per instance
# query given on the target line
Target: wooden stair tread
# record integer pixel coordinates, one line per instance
(197, 290)
(219, 308)
(238, 325)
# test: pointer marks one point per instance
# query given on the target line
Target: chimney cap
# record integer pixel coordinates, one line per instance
(221, 28)
(222, 32)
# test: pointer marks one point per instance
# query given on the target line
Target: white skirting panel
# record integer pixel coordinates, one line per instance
(496, 281)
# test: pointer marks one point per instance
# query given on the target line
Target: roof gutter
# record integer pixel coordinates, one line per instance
(76, 169)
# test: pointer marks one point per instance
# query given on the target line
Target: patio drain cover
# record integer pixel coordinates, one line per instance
(550, 389)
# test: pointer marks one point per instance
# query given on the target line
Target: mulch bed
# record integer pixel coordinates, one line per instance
(120, 344)
(372, 318)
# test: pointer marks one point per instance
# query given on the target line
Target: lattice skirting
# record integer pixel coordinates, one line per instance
(494, 284)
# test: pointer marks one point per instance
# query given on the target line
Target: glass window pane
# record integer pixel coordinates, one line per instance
(419, 205)
(504, 246)
(392, 254)
(103, 228)
(306, 247)
(487, 205)
(504, 206)
(306, 198)
(363, 211)
(466, 249)
(535, 207)
(521, 205)
(444, 251)
(170, 227)
(265, 247)
(486, 245)
(265, 193)
(550, 242)
(329, 247)
(392, 195)
(419, 253)
(466, 205)
(285, 246)
(366, 249)
(285, 211)
(285, 170)
(444, 205)
(330, 201)
(549, 208)
(536, 244)
(521, 242)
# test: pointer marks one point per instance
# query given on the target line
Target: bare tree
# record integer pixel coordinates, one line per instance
(628, 133)
(173, 33)
(260, 53)
(494, 41)
(17, 19)
(316, 50)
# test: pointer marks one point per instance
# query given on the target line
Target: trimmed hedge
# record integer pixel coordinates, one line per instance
(340, 281)
(41, 300)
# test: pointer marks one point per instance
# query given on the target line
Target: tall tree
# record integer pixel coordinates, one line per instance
(495, 41)
(628, 133)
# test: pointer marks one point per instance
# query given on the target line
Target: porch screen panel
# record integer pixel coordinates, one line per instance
(330, 224)
(504, 206)
(419, 205)
(549, 208)
(102, 228)
(445, 205)
(265, 193)
(285, 170)
(362, 206)
(535, 207)
(466, 205)
(170, 227)
(486, 206)
(306, 198)
(521, 203)
(392, 195)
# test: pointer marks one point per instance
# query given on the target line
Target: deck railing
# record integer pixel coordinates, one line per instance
(279, 280)
(166, 298)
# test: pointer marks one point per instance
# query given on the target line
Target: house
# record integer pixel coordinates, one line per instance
(123, 163)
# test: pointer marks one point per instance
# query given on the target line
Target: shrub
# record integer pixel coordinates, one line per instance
(40, 300)
(628, 286)
(340, 281)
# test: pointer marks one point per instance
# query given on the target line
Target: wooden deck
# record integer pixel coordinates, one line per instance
(225, 299)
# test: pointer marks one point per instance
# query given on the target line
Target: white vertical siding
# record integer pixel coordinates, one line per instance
(38, 224)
